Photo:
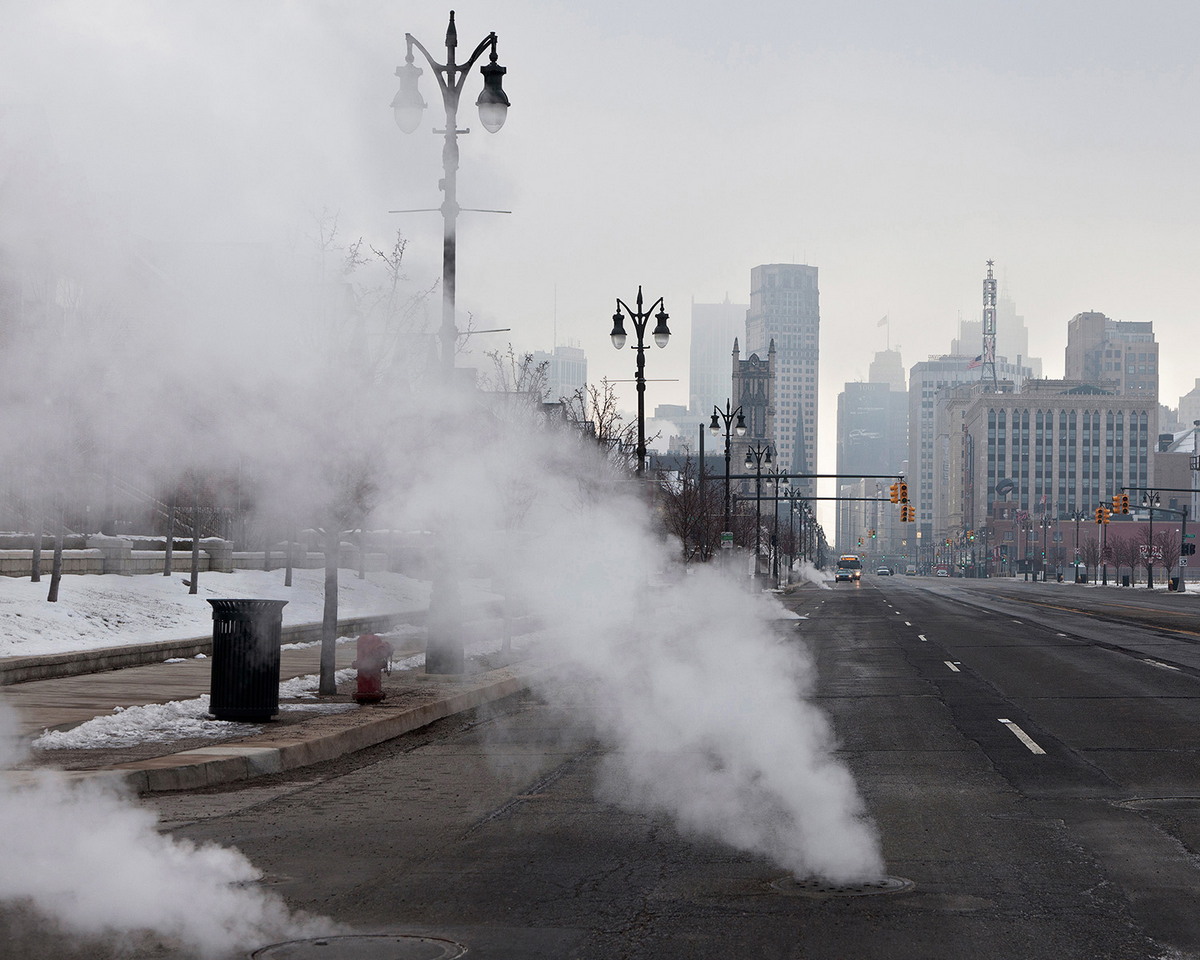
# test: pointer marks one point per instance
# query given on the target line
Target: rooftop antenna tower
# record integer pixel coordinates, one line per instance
(989, 329)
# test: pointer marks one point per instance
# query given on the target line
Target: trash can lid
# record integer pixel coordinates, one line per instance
(241, 608)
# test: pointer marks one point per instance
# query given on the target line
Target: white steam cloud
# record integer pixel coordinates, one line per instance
(90, 859)
(298, 373)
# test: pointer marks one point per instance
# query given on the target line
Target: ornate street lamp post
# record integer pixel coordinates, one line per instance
(756, 458)
(779, 480)
(1150, 500)
(727, 419)
(408, 105)
(1046, 523)
(661, 335)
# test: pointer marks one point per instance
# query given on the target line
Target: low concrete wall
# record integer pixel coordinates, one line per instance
(102, 659)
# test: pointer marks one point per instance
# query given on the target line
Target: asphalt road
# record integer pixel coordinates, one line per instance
(1031, 769)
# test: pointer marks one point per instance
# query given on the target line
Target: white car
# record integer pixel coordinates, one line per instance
(943, 573)
(883, 572)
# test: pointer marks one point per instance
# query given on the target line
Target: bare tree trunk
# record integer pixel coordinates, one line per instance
(169, 553)
(194, 586)
(35, 575)
(287, 577)
(56, 567)
(328, 680)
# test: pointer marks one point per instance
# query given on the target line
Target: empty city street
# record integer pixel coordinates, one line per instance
(1037, 788)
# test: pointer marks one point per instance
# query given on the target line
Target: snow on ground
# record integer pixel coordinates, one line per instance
(110, 610)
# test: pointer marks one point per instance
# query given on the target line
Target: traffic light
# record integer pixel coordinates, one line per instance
(895, 493)
(1124, 503)
(903, 492)
(872, 534)
(1099, 514)
(1116, 507)
(1107, 514)
(860, 541)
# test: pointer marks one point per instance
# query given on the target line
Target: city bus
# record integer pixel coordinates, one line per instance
(849, 567)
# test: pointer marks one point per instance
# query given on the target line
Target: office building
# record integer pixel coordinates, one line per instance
(1122, 351)
(785, 310)
(566, 371)
(714, 328)
(872, 441)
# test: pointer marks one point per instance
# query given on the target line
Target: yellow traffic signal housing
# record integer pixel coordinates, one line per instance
(1107, 514)
(895, 489)
(904, 493)
(1099, 514)
(1116, 503)
(1124, 503)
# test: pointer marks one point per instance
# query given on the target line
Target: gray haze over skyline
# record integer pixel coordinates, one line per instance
(896, 147)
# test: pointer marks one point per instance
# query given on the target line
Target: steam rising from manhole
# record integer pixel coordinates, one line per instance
(823, 888)
(373, 946)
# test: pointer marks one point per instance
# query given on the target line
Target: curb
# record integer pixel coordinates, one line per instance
(329, 737)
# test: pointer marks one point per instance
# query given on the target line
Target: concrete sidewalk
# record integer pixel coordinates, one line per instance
(303, 733)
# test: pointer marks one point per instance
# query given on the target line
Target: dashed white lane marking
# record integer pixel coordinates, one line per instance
(1016, 621)
(953, 665)
(1158, 663)
(921, 636)
(907, 624)
(1060, 634)
(1022, 736)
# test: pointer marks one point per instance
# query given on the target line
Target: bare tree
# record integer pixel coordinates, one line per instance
(1168, 544)
(1125, 554)
(1089, 550)
(691, 512)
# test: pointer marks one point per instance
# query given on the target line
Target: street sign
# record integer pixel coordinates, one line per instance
(726, 540)
(1183, 561)
(1189, 536)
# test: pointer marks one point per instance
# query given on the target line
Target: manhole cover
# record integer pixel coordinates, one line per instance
(363, 947)
(823, 888)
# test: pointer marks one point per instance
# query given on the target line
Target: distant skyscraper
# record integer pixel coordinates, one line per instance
(1012, 338)
(714, 328)
(566, 371)
(1124, 351)
(872, 440)
(785, 309)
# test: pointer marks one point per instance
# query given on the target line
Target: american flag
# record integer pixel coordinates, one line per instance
(977, 362)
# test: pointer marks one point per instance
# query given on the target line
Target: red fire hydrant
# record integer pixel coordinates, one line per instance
(371, 664)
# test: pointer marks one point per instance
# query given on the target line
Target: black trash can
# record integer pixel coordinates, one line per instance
(1124, 579)
(245, 659)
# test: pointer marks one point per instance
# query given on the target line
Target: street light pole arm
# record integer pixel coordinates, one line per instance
(450, 75)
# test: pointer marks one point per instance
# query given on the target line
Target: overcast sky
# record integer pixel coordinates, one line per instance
(896, 146)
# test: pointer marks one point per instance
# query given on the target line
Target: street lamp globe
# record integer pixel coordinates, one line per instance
(740, 429)
(661, 333)
(408, 105)
(714, 426)
(618, 330)
(493, 102)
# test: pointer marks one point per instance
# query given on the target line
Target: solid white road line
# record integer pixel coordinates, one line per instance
(1022, 736)
(1157, 663)
(953, 665)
